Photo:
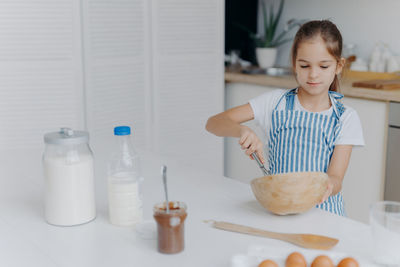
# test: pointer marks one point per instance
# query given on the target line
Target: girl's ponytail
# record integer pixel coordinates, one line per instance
(335, 84)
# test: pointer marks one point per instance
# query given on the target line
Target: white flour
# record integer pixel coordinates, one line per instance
(124, 201)
(69, 190)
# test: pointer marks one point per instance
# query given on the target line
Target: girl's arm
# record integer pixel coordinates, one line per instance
(337, 168)
(228, 123)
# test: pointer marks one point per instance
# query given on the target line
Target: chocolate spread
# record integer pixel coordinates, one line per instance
(170, 226)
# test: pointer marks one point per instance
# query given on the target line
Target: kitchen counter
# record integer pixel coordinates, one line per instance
(289, 82)
(27, 240)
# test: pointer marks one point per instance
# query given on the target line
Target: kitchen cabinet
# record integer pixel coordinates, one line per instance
(364, 180)
(392, 181)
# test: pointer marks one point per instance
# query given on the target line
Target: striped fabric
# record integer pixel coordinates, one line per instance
(302, 141)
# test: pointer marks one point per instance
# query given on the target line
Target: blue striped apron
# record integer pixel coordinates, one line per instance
(302, 141)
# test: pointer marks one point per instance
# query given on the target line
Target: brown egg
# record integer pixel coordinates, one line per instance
(294, 264)
(322, 261)
(268, 263)
(348, 262)
(296, 259)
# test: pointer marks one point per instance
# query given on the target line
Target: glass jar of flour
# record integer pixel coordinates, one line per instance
(69, 178)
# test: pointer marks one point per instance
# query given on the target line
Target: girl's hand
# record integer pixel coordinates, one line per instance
(328, 192)
(250, 142)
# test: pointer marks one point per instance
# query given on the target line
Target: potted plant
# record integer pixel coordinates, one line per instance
(267, 43)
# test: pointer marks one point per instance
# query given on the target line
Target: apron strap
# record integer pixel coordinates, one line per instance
(289, 96)
(338, 107)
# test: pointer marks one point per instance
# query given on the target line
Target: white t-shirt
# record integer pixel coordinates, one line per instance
(263, 105)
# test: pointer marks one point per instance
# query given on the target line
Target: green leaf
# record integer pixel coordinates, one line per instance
(271, 15)
(268, 44)
(276, 43)
(269, 30)
(278, 17)
(271, 21)
(242, 27)
(283, 33)
(265, 19)
(252, 35)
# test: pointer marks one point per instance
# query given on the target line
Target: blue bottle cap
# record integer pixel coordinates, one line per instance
(122, 130)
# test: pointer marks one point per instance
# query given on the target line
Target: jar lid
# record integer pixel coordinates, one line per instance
(66, 136)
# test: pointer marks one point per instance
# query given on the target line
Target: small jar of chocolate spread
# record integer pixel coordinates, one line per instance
(170, 226)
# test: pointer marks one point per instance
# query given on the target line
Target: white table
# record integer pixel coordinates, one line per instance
(27, 240)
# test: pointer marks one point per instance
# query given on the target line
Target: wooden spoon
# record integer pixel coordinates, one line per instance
(303, 240)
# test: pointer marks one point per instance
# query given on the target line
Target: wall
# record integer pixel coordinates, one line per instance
(362, 22)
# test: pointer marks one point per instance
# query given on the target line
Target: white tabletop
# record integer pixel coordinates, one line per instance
(27, 240)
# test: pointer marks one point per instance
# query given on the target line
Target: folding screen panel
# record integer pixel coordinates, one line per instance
(116, 57)
(40, 71)
(187, 51)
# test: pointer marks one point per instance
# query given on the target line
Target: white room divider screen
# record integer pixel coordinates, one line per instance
(188, 85)
(40, 71)
(155, 65)
(117, 76)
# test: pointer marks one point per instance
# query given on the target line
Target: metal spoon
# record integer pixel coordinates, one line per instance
(262, 167)
(164, 177)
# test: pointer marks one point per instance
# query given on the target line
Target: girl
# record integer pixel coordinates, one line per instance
(307, 128)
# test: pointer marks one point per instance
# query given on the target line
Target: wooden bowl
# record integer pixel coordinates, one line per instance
(290, 193)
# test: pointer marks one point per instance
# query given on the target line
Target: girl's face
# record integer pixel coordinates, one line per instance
(315, 68)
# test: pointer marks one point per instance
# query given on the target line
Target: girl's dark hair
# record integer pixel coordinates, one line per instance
(331, 36)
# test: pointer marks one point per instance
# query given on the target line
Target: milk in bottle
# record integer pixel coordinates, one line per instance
(124, 181)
